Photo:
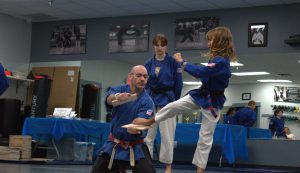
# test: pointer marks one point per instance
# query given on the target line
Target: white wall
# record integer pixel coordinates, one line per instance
(15, 45)
(262, 93)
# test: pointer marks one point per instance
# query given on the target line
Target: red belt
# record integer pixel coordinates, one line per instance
(125, 144)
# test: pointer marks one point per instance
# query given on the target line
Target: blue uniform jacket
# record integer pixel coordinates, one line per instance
(245, 117)
(229, 120)
(167, 86)
(277, 126)
(4, 84)
(124, 114)
(215, 79)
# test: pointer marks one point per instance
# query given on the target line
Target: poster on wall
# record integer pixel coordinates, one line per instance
(190, 33)
(286, 94)
(68, 39)
(130, 37)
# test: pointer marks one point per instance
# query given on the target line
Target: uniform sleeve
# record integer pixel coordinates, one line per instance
(4, 84)
(205, 71)
(146, 109)
(112, 90)
(178, 81)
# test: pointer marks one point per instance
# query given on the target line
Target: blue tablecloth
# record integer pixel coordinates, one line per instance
(232, 138)
(81, 130)
(257, 133)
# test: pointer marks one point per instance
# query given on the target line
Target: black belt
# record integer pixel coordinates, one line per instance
(161, 90)
(205, 92)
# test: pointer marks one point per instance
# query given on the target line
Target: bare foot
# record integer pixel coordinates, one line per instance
(200, 170)
(168, 168)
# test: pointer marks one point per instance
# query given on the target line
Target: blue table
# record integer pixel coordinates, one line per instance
(231, 138)
(57, 128)
(257, 133)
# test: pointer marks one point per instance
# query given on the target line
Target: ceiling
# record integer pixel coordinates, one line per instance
(55, 10)
(50, 10)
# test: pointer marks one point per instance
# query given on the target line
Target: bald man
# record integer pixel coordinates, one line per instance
(125, 148)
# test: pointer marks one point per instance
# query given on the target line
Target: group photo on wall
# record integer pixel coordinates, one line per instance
(286, 94)
(68, 39)
(129, 37)
(190, 33)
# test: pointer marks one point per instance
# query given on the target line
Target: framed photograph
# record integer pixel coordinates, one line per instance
(246, 96)
(130, 37)
(257, 34)
(68, 39)
(190, 33)
(286, 94)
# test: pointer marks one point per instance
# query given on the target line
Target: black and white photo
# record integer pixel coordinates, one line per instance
(246, 96)
(257, 34)
(132, 37)
(68, 39)
(190, 33)
(286, 94)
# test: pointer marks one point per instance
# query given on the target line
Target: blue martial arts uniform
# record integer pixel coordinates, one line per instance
(142, 107)
(245, 117)
(214, 81)
(277, 126)
(164, 86)
(4, 84)
(229, 120)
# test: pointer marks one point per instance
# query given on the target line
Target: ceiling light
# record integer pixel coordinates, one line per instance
(192, 83)
(250, 73)
(275, 80)
(232, 64)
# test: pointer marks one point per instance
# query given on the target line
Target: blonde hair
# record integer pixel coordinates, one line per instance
(222, 43)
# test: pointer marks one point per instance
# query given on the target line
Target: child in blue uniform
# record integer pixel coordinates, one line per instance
(246, 116)
(125, 148)
(4, 84)
(277, 124)
(209, 98)
(228, 117)
(164, 86)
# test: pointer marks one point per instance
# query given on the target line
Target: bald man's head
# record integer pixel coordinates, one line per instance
(138, 77)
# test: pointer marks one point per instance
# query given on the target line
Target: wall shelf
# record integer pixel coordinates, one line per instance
(293, 41)
(18, 79)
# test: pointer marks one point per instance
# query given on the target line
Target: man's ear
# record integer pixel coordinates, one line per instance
(129, 77)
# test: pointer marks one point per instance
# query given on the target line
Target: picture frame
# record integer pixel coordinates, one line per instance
(68, 39)
(190, 33)
(286, 94)
(257, 34)
(246, 96)
(129, 37)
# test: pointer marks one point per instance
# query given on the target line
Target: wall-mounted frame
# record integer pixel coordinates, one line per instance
(130, 37)
(257, 34)
(190, 33)
(68, 39)
(246, 96)
(286, 94)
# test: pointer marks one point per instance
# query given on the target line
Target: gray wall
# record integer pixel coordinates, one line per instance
(282, 22)
(15, 44)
